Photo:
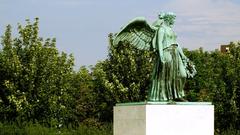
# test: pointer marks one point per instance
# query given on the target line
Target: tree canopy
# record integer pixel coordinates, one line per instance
(38, 83)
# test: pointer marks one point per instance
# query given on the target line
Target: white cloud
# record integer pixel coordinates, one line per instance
(207, 20)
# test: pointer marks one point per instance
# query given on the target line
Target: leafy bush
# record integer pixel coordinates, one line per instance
(35, 83)
(38, 85)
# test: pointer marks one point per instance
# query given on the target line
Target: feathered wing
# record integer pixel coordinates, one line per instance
(137, 32)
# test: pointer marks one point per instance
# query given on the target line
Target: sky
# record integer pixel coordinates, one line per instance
(81, 27)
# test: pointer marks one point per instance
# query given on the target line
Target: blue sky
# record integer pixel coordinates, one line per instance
(82, 26)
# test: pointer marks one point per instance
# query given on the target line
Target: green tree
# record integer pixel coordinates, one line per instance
(123, 77)
(35, 77)
(217, 81)
(86, 108)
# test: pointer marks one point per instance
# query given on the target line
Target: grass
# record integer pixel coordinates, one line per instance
(37, 129)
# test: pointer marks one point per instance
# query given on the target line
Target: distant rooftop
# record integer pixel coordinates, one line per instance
(226, 48)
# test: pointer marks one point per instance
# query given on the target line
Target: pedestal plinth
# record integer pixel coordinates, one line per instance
(160, 118)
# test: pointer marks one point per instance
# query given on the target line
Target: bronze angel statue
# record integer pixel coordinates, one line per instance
(171, 66)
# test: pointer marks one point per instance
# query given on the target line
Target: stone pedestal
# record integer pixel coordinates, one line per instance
(181, 118)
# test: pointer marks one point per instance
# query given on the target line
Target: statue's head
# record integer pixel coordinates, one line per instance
(168, 17)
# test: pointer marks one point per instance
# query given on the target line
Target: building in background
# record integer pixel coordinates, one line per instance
(225, 48)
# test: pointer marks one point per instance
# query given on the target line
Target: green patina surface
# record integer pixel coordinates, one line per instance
(171, 66)
(163, 103)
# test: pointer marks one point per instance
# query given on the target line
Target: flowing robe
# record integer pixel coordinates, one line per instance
(169, 73)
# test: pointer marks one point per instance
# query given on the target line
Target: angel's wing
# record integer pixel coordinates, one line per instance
(137, 32)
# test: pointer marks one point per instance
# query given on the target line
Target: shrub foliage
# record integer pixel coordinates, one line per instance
(38, 83)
